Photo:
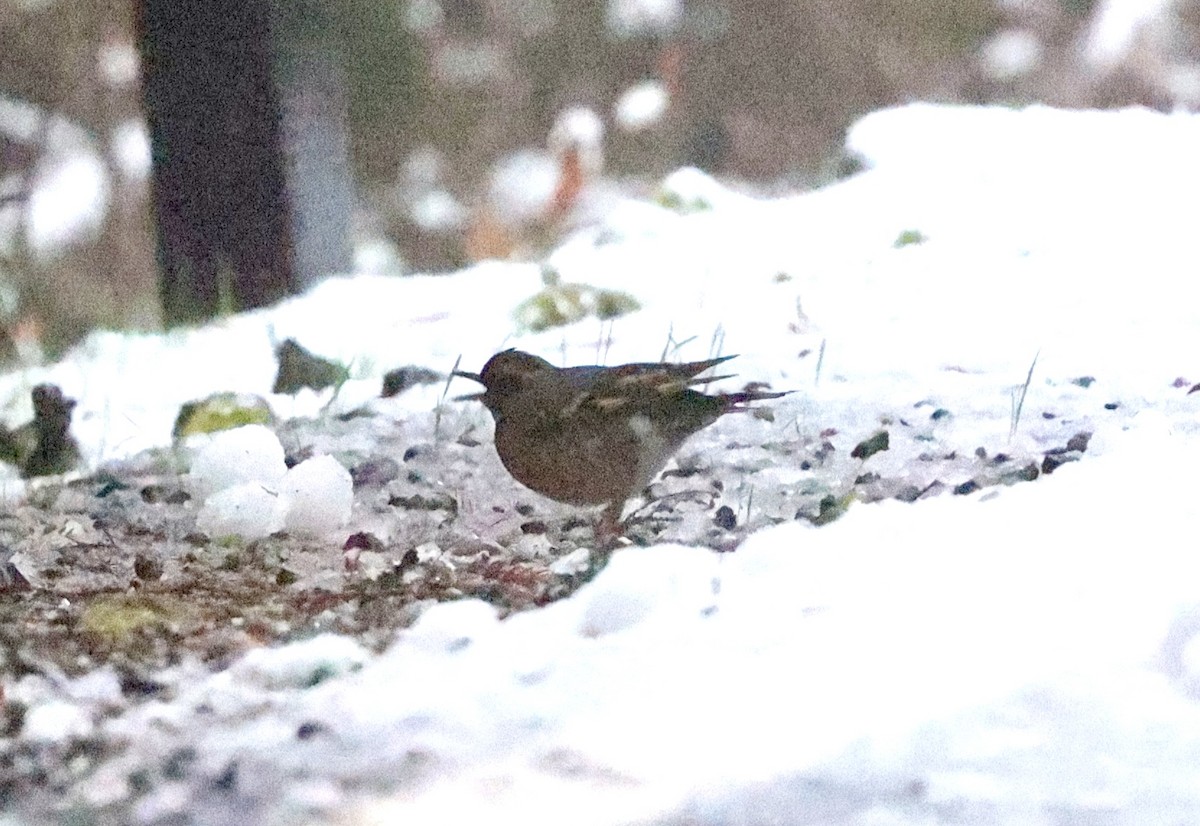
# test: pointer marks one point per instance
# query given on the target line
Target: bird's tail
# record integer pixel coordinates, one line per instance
(741, 401)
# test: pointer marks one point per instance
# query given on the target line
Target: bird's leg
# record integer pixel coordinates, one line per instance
(609, 528)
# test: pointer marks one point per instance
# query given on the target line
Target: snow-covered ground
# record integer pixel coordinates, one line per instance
(1027, 655)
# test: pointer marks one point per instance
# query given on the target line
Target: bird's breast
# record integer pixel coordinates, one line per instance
(584, 466)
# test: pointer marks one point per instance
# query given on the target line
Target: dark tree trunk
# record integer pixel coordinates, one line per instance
(250, 184)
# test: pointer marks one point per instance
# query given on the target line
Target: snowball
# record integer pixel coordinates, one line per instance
(317, 495)
(234, 457)
(248, 510)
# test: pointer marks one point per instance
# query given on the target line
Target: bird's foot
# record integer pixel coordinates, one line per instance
(610, 531)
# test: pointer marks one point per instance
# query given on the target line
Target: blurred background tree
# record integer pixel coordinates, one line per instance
(474, 125)
(246, 106)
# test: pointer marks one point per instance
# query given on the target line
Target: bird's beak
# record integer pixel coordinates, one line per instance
(470, 397)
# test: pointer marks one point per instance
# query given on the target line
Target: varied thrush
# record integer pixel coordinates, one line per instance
(596, 435)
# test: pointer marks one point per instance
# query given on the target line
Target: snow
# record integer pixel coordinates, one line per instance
(1117, 25)
(250, 492)
(245, 454)
(641, 106)
(70, 190)
(69, 201)
(130, 145)
(317, 496)
(118, 62)
(893, 649)
(1030, 655)
(522, 183)
(628, 18)
(1011, 53)
(56, 721)
(246, 509)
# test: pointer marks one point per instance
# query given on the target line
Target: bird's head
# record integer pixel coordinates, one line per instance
(49, 402)
(505, 376)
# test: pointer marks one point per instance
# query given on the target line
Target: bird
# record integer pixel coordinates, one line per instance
(44, 446)
(594, 435)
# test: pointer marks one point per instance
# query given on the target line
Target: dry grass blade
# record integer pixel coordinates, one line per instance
(1018, 398)
(437, 410)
